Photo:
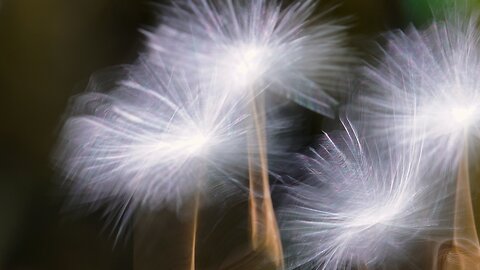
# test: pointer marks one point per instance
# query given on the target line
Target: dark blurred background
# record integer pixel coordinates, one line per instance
(48, 49)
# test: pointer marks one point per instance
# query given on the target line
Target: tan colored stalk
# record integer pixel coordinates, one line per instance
(464, 252)
(265, 236)
(196, 207)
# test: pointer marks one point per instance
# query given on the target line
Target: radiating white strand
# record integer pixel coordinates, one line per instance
(356, 205)
(425, 89)
(256, 44)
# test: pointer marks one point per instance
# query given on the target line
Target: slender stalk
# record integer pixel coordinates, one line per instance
(464, 253)
(196, 207)
(264, 229)
(177, 249)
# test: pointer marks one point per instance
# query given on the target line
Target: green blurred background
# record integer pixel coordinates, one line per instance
(48, 49)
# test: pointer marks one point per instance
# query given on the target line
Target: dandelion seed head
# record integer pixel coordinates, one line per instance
(355, 206)
(424, 88)
(256, 45)
(151, 139)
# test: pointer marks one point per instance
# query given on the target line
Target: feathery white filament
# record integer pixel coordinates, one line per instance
(254, 45)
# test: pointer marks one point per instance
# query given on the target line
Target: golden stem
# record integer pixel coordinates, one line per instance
(196, 207)
(464, 253)
(464, 220)
(264, 229)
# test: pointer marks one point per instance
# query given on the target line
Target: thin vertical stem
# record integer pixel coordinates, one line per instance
(162, 240)
(196, 207)
(464, 221)
(264, 229)
(464, 253)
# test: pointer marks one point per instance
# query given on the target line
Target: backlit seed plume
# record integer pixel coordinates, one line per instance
(151, 139)
(256, 44)
(426, 84)
(354, 206)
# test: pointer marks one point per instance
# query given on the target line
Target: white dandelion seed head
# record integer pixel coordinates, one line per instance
(355, 206)
(255, 45)
(425, 88)
(152, 140)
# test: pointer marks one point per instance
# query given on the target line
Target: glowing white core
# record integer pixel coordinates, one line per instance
(182, 144)
(372, 218)
(246, 63)
(463, 115)
(195, 143)
(249, 61)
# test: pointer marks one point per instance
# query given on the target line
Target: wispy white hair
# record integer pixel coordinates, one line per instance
(152, 140)
(355, 206)
(425, 89)
(256, 44)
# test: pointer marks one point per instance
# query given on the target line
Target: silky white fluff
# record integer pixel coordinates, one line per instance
(256, 45)
(152, 140)
(425, 89)
(355, 206)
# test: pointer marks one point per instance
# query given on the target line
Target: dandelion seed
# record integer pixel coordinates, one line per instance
(147, 139)
(256, 44)
(356, 205)
(425, 90)
(426, 84)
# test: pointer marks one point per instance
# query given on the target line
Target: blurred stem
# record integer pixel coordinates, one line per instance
(464, 217)
(464, 254)
(196, 207)
(264, 229)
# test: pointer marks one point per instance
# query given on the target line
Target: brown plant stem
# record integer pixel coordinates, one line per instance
(464, 251)
(196, 207)
(264, 229)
